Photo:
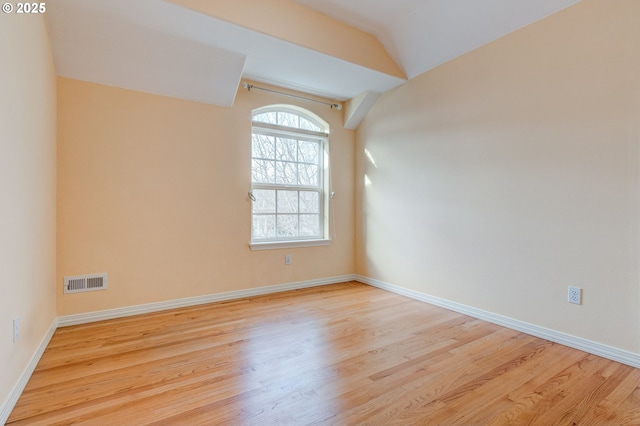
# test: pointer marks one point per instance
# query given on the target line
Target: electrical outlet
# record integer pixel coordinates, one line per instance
(287, 259)
(575, 295)
(16, 329)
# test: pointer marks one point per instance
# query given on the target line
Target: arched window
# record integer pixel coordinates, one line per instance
(289, 177)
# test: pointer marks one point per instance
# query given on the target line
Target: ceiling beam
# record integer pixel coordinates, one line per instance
(357, 108)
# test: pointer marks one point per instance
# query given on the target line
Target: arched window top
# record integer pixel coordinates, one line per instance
(290, 116)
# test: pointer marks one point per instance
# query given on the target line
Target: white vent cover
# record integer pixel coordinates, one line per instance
(82, 283)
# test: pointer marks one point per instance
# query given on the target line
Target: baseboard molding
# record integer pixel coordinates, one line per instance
(11, 400)
(198, 300)
(595, 348)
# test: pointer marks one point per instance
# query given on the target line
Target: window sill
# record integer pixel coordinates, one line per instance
(274, 245)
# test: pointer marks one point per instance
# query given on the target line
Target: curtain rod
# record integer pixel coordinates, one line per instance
(251, 86)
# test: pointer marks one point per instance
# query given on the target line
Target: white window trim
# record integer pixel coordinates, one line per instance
(276, 130)
(274, 245)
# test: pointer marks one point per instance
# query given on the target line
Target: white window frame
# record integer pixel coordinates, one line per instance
(284, 131)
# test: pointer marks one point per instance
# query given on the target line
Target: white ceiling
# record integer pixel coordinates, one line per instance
(159, 47)
(422, 34)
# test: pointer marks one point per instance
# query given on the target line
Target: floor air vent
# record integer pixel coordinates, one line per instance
(82, 283)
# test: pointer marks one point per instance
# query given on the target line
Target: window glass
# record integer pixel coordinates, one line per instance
(287, 172)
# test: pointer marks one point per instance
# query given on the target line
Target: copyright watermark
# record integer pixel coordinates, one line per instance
(32, 8)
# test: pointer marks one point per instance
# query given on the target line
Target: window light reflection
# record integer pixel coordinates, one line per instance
(370, 157)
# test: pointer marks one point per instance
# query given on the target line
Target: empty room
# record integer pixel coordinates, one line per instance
(260, 212)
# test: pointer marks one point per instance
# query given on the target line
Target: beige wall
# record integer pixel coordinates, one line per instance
(27, 191)
(512, 172)
(153, 191)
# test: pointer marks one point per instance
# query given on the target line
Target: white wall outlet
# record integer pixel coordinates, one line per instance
(16, 329)
(287, 259)
(575, 295)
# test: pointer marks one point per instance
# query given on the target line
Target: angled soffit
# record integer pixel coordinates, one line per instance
(161, 47)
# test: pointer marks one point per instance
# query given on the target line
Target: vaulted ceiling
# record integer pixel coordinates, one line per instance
(339, 49)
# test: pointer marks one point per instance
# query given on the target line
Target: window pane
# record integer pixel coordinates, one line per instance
(309, 202)
(263, 171)
(308, 125)
(288, 119)
(266, 117)
(263, 146)
(286, 173)
(309, 152)
(308, 174)
(265, 201)
(287, 201)
(288, 225)
(309, 225)
(286, 149)
(264, 226)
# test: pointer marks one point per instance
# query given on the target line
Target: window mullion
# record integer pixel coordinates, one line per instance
(275, 130)
(286, 187)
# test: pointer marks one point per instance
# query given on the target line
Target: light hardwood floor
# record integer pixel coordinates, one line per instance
(344, 354)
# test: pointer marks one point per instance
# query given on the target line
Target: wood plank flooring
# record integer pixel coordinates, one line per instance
(345, 354)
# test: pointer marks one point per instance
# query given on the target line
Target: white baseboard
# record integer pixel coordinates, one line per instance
(192, 301)
(11, 400)
(595, 348)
